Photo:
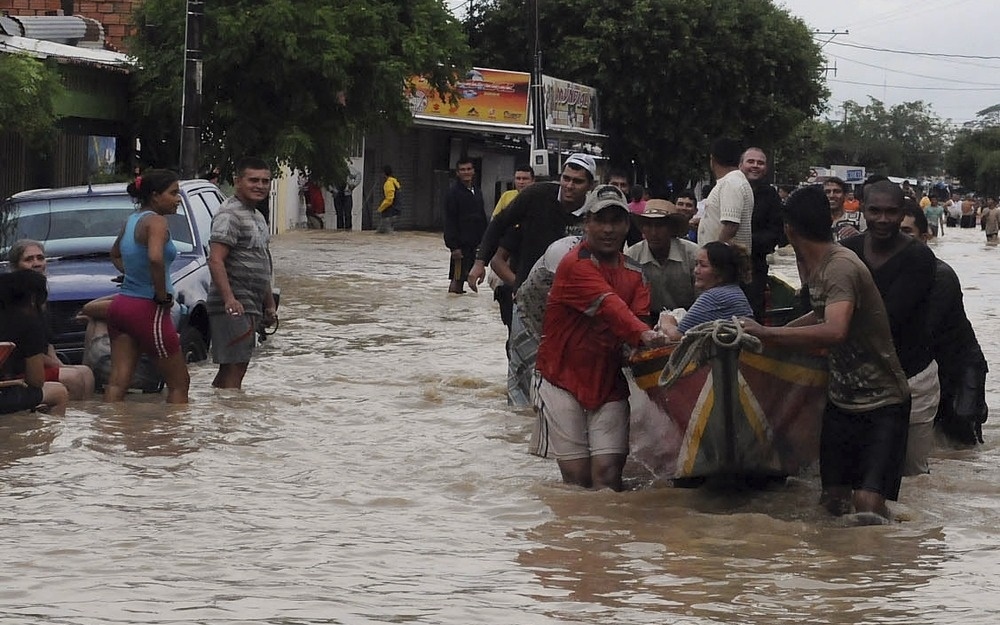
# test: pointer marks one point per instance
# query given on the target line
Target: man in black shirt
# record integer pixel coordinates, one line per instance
(464, 222)
(542, 214)
(767, 226)
(962, 367)
(903, 269)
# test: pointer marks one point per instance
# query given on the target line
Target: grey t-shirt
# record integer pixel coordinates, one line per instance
(243, 230)
(865, 373)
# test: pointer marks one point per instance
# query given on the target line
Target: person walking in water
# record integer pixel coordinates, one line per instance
(139, 316)
(464, 223)
(389, 207)
(599, 302)
(241, 274)
(864, 430)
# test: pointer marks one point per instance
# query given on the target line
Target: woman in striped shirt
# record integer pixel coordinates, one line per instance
(719, 270)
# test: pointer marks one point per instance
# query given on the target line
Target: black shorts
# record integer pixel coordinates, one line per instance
(864, 450)
(18, 398)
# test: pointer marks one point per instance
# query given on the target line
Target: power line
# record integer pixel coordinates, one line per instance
(899, 71)
(912, 53)
(921, 88)
(904, 13)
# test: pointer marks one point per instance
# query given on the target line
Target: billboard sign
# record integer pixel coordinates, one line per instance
(569, 105)
(484, 95)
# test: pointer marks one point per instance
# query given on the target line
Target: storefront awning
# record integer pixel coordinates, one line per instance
(468, 125)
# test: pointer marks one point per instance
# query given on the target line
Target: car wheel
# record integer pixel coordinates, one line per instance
(193, 345)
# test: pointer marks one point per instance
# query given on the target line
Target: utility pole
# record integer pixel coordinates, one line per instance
(191, 101)
(539, 147)
(832, 34)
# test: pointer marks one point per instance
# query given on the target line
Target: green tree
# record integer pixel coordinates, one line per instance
(988, 117)
(803, 149)
(974, 158)
(907, 139)
(671, 74)
(30, 89)
(296, 81)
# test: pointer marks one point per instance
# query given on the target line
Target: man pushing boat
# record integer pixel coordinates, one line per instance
(864, 432)
(599, 301)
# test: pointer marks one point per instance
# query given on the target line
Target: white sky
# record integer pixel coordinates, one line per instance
(956, 88)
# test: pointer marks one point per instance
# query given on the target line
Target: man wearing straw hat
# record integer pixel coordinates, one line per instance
(667, 259)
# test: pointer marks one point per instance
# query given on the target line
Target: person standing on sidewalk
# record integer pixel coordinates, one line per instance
(389, 208)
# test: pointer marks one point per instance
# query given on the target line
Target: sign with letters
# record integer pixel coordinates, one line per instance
(483, 95)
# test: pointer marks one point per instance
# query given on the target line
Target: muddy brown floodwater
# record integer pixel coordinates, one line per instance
(370, 472)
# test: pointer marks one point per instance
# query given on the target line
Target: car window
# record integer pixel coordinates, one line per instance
(180, 230)
(78, 225)
(203, 207)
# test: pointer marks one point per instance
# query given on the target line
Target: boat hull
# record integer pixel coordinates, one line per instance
(734, 413)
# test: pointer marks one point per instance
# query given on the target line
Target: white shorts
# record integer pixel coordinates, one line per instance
(925, 394)
(572, 432)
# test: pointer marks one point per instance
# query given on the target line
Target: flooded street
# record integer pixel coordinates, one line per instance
(370, 472)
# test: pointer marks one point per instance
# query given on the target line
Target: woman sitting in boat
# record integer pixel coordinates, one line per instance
(719, 270)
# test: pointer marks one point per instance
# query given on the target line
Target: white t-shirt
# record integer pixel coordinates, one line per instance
(730, 200)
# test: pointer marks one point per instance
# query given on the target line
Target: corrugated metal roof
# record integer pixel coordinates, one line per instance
(73, 30)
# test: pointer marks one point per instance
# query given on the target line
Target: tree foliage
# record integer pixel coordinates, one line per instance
(988, 117)
(295, 81)
(671, 74)
(974, 158)
(907, 139)
(31, 88)
(802, 150)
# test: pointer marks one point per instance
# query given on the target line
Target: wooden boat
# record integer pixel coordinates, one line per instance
(728, 411)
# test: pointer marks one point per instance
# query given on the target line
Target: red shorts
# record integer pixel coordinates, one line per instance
(146, 322)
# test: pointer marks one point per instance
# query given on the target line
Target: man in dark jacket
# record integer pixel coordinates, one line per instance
(464, 223)
(767, 226)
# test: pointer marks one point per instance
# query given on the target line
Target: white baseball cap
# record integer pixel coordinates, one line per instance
(584, 161)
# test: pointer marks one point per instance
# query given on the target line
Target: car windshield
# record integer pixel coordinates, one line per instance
(81, 225)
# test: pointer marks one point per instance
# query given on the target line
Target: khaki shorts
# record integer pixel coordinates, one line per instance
(925, 394)
(573, 433)
(233, 337)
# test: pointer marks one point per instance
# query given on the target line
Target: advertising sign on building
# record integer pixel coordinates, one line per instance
(851, 174)
(484, 95)
(569, 105)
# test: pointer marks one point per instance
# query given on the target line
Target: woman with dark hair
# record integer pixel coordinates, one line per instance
(139, 317)
(719, 270)
(22, 296)
(78, 379)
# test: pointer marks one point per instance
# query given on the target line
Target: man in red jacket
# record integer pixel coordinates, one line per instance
(598, 302)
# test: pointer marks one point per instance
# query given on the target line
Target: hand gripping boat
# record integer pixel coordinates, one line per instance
(720, 404)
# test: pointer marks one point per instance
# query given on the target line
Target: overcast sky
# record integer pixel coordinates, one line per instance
(956, 87)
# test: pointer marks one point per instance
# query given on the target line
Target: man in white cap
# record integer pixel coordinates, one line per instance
(598, 302)
(667, 259)
(539, 215)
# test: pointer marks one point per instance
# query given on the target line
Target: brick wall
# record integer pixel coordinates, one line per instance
(114, 15)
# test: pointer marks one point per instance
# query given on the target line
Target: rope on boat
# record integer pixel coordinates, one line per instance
(701, 343)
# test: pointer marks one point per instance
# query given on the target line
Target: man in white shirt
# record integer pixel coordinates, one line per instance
(729, 207)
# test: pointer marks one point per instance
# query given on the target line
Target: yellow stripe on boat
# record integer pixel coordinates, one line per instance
(787, 371)
(688, 454)
(754, 413)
